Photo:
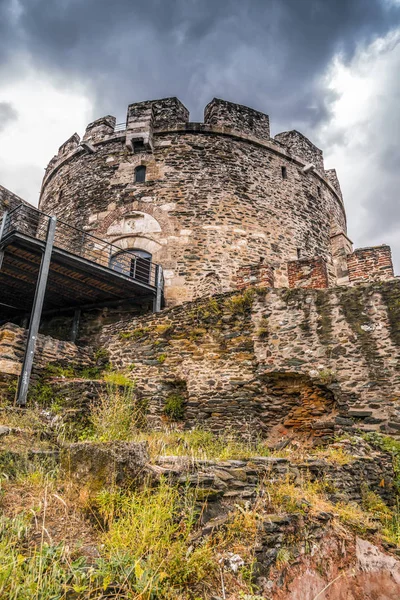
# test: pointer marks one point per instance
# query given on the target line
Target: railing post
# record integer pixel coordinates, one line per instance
(23, 383)
(2, 230)
(75, 325)
(158, 296)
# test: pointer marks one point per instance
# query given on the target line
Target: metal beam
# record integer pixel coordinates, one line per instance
(23, 383)
(158, 296)
(75, 325)
(2, 229)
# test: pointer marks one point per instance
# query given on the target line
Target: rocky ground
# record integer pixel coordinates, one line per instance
(115, 511)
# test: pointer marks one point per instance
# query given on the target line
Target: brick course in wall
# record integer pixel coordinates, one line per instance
(260, 275)
(370, 264)
(308, 273)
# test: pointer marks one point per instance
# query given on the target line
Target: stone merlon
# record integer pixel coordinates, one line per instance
(248, 121)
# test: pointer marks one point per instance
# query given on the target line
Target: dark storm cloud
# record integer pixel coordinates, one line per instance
(266, 53)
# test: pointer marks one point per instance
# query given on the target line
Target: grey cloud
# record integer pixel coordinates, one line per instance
(8, 114)
(265, 53)
(269, 54)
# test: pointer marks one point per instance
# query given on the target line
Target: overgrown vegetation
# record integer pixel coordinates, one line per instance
(200, 444)
(240, 304)
(175, 407)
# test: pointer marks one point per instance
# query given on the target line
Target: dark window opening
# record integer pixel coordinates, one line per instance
(136, 264)
(319, 191)
(140, 174)
(138, 146)
(298, 253)
(284, 172)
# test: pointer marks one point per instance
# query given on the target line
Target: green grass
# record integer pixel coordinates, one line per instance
(175, 407)
(200, 444)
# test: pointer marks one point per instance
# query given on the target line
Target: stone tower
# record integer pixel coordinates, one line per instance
(218, 204)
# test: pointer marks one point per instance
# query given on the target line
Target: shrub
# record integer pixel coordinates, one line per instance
(115, 415)
(153, 532)
(175, 407)
(240, 305)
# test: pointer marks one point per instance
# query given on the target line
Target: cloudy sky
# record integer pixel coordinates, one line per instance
(330, 68)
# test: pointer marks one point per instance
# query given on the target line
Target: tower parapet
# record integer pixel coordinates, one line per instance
(144, 117)
(242, 119)
(99, 129)
(300, 146)
(219, 204)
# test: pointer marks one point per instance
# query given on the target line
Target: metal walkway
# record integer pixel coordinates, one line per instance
(47, 265)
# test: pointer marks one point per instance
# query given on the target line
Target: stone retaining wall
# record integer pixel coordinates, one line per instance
(278, 362)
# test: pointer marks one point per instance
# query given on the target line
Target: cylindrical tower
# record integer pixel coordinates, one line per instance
(204, 200)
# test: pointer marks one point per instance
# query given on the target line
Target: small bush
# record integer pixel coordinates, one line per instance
(118, 379)
(175, 407)
(115, 416)
(102, 357)
(240, 305)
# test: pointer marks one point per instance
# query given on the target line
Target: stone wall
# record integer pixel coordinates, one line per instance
(48, 350)
(259, 275)
(218, 196)
(299, 145)
(241, 479)
(370, 264)
(281, 362)
(9, 200)
(308, 273)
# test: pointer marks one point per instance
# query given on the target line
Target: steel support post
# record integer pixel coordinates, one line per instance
(158, 296)
(23, 383)
(2, 229)
(75, 325)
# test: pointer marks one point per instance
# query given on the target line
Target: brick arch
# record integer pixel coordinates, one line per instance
(136, 206)
(128, 242)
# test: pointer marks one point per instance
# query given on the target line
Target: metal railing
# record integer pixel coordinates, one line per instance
(119, 127)
(34, 223)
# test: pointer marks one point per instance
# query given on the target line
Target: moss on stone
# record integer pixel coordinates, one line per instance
(353, 303)
(324, 323)
(391, 296)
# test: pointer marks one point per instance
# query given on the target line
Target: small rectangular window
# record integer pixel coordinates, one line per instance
(138, 146)
(284, 172)
(319, 191)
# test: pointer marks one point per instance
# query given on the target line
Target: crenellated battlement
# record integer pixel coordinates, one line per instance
(218, 204)
(298, 145)
(248, 121)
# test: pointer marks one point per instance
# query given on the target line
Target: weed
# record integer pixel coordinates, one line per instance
(335, 456)
(153, 531)
(115, 416)
(117, 378)
(175, 407)
(201, 444)
(136, 334)
(283, 557)
(161, 358)
(240, 305)
(326, 376)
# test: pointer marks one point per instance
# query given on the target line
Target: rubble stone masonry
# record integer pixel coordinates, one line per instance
(300, 361)
(218, 196)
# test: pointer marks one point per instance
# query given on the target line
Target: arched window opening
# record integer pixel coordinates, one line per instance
(136, 264)
(140, 174)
